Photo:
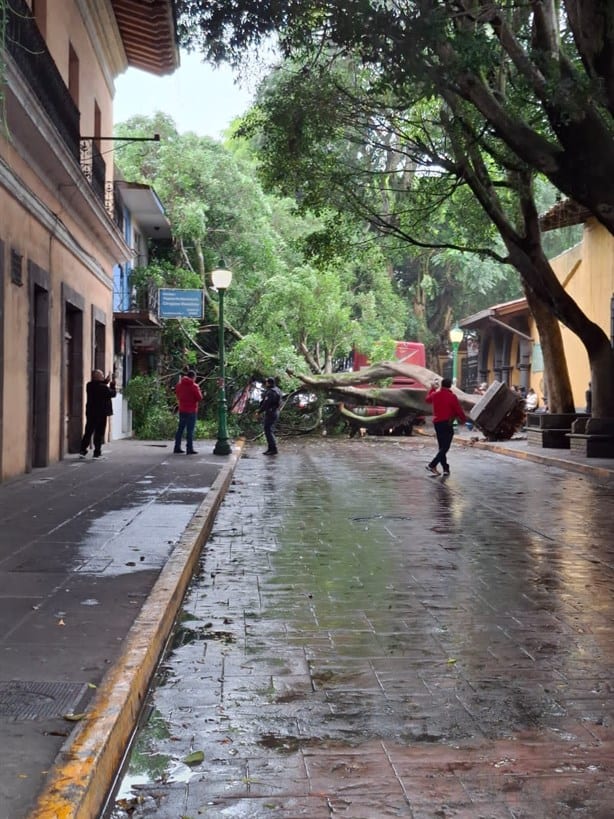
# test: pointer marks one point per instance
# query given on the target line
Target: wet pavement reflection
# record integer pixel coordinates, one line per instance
(365, 640)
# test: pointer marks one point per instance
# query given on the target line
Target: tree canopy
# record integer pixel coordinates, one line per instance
(540, 75)
(302, 294)
(518, 90)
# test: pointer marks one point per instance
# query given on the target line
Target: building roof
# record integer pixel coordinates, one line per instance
(500, 314)
(149, 33)
(146, 209)
(517, 307)
(564, 214)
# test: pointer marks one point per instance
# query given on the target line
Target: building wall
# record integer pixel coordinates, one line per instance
(67, 245)
(587, 272)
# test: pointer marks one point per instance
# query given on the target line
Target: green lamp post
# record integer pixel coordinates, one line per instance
(221, 279)
(456, 336)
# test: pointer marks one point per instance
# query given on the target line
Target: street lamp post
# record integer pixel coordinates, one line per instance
(456, 336)
(221, 279)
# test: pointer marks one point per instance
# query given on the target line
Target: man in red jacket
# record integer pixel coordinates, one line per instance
(188, 395)
(446, 408)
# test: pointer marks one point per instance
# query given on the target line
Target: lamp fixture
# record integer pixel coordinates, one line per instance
(221, 278)
(456, 334)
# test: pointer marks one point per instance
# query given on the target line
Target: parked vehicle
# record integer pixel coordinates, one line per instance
(406, 352)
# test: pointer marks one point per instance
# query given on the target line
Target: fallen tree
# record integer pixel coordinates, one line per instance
(501, 412)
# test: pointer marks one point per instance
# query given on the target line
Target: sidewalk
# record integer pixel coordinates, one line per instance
(518, 447)
(94, 560)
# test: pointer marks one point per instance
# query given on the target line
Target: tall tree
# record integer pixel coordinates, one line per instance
(414, 170)
(304, 290)
(524, 78)
(540, 73)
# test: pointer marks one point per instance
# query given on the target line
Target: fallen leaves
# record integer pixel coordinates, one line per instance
(195, 758)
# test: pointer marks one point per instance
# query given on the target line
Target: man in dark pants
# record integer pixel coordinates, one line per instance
(446, 408)
(98, 407)
(269, 406)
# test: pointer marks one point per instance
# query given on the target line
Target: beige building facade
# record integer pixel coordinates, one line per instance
(60, 223)
(507, 342)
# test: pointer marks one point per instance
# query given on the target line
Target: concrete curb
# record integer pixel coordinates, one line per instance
(536, 457)
(86, 767)
(561, 463)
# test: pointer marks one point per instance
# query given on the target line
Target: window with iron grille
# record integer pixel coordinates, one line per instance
(16, 267)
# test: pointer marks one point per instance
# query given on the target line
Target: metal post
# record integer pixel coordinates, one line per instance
(222, 446)
(455, 346)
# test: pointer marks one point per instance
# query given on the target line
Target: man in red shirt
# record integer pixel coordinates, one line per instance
(446, 408)
(188, 395)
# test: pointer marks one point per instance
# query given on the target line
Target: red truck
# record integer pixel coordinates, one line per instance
(407, 352)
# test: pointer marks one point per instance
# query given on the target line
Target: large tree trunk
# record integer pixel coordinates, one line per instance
(558, 384)
(344, 386)
(540, 279)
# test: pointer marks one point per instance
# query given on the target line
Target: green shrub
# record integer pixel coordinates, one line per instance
(160, 425)
(152, 413)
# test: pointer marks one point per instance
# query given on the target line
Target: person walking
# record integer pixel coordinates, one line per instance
(99, 392)
(269, 407)
(188, 396)
(446, 408)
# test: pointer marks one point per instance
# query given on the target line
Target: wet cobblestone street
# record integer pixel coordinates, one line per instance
(367, 641)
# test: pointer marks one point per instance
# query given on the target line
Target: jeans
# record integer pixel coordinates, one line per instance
(444, 430)
(270, 421)
(187, 422)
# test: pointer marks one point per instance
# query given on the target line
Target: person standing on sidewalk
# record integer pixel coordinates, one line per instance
(269, 407)
(446, 409)
(99, 392)
(188, 396)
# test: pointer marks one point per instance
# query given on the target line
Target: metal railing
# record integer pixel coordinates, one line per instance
(27, 47)
(113, 204)
(128, 299)
(94, 168)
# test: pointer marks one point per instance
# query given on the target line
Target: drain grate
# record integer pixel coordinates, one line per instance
(22, 700)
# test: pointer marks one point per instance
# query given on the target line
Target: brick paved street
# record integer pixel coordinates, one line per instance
(366, 641)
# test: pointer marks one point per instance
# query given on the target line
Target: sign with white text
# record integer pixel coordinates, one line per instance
(179, 304)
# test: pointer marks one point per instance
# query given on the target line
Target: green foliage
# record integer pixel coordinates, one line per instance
(164, 274)
(356, 160)
(159, 425)
(257, 354)
(152, 415)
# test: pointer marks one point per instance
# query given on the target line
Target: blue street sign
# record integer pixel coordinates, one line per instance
(174, 303)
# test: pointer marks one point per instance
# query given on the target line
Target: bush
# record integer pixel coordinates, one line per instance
(152, 414)
(160, 425)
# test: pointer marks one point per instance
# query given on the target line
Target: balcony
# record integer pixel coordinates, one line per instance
(94, 168)
(28, 49)
(136, 307)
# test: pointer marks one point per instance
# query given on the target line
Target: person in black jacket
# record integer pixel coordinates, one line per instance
(98, 407)
(269, 407)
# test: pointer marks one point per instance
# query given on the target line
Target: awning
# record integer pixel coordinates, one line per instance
(499, 314)
(149, 34)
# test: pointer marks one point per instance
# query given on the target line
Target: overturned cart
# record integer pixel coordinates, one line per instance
(499, 413)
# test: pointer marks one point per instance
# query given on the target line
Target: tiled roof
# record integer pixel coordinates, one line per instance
(564, 214)
(149, 33)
